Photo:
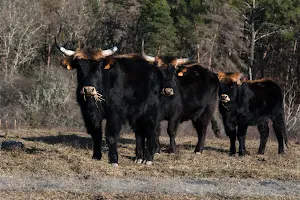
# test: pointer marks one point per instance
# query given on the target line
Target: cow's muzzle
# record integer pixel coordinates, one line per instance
(167, 91)
(90, 91)
(225, 98)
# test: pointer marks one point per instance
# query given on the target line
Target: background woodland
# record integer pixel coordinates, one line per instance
(257, 37)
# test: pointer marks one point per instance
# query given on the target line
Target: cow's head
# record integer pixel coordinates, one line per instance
(229, 83)
(89, 64)
(168, 66)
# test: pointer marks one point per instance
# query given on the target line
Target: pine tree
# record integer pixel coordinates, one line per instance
(156, 27)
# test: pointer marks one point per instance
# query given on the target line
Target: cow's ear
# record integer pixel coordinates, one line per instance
(108, 63)
(159, 62)
(240, 79)
(182, 71)
(67, 63)
(237, 78)
(221, 75)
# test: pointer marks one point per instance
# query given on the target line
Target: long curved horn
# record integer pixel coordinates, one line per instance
(109, 52)
(182, 61)
(148, 58)
(65, 51)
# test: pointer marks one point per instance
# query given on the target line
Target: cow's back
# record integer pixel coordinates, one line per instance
(259, 100)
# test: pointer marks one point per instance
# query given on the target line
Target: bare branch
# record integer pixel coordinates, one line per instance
(266, 35)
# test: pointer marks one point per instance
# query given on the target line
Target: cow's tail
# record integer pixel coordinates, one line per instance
(285, 139)
(284, 131)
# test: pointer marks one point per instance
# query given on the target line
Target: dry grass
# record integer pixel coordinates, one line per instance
(12, 195)
(68, 154)
(65, 154)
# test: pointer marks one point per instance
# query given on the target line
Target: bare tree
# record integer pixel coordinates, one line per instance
(292, 109)
(19, 33)
(222, 43)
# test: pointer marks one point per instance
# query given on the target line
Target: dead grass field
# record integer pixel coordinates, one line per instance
(11, 195)
(68, 154)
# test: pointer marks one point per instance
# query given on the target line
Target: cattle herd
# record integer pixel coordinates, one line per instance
(144, 90)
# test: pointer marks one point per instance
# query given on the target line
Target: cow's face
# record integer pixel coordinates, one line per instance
(169, 79)
(168, 65)
(89, 64)
(229, 83)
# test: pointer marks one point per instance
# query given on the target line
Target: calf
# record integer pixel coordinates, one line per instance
(249, 103)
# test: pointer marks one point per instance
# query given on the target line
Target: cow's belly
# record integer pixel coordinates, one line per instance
(251, 119)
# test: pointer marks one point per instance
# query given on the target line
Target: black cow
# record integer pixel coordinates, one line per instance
(116, 88)
(189, 93)
(248, 103)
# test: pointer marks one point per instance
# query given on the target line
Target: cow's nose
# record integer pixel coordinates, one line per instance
(225, 98)
(168, 91)
(89, 90)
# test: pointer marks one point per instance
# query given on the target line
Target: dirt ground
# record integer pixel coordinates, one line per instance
(58, 165)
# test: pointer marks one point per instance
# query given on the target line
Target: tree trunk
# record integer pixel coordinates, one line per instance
(49, 55)
(198, 53)
(252, 48)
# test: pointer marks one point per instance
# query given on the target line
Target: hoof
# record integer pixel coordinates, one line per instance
(114, 164)
(96, 157)
(231, 154)
(157, 151)
(138, 161)
(149, 163)
(244, 153)
(198, 153)
(171, 151)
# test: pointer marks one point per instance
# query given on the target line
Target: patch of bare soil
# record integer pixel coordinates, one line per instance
(58, 165)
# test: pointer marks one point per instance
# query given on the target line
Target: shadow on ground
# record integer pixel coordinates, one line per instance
(206, 148)
(73, 140)
(190, 147)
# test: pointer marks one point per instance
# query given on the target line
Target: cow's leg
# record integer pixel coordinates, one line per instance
(139, 148)
(150, 149)
(231, 133)
(263, 129)
(113, 127)
(94, 129)
(97, 139)
(145, 130)
(157, 142)
(150, 125)
(140, 143)
(241, 135)
(172, 130)
(201, 127)
(280, 131)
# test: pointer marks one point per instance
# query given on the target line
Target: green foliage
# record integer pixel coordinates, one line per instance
(157, 27)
